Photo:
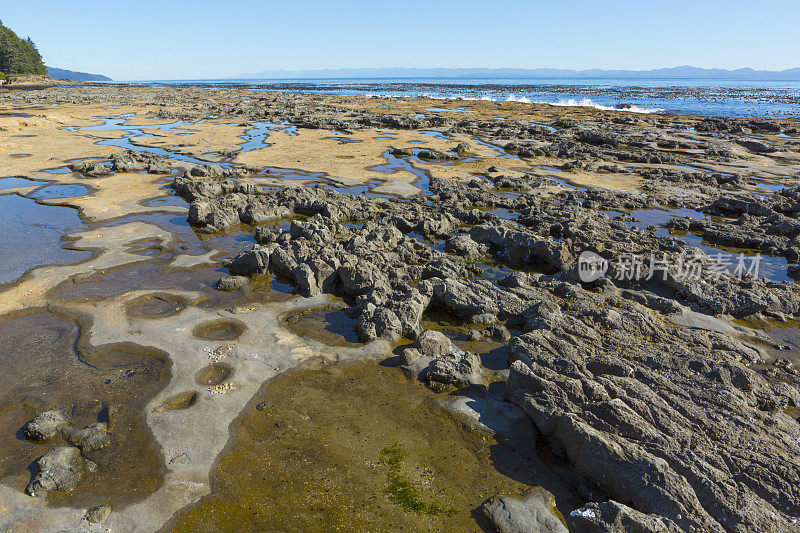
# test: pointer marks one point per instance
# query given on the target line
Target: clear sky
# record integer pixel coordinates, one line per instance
(177, 39)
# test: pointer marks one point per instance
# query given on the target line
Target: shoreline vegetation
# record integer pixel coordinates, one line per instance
(22, 64)
(18, 56)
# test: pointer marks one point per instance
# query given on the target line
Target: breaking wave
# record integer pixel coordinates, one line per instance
(571, 102)
(586, 102)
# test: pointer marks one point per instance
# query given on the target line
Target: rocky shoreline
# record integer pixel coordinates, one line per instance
(650, 411)
(651, 388)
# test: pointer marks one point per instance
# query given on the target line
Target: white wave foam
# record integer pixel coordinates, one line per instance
(521, 99)
(586, 102)
(571, 102)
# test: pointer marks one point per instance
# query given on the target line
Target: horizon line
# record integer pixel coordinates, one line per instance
(533, 68)
(520, 70)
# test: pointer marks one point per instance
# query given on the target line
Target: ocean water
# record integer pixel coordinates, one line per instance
(702, 97)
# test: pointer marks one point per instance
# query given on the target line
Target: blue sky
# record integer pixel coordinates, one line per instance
(174, 39)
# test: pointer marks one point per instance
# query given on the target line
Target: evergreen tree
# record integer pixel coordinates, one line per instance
(19, 56)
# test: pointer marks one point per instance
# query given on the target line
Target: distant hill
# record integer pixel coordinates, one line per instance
(62, 74)
(674, 72)
(18, 56)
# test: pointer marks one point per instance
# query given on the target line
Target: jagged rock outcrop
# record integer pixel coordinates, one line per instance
(670, 419)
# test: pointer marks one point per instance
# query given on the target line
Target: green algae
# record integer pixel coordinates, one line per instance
(401, 489)
(313, 450)
(767, 324)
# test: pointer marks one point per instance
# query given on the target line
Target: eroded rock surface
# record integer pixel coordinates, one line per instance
(642, 389)
(669, 419)
(613, 517)
(664, 414)
(533, 512)
(88, 439)
(45, 426)
(60, 469)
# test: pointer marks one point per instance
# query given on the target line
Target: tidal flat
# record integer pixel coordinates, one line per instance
(239, 309)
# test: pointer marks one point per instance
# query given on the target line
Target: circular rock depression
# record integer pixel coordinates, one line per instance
(181, 401)
(214, 374)
(156, 305)
(219, 330)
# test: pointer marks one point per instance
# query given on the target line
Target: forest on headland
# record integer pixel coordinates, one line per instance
(18, 57)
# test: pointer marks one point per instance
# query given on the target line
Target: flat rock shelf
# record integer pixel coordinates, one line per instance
(229, 308)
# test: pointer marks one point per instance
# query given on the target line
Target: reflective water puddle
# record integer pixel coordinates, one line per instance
(44, 365)
(67, 190)
(32, 236)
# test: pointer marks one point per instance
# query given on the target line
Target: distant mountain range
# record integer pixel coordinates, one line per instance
(62, 74)
(674, 72)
